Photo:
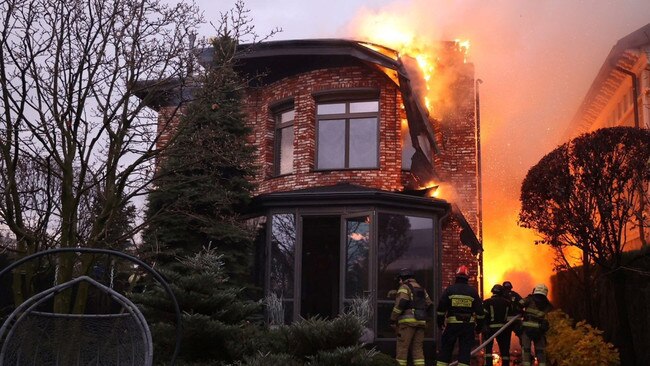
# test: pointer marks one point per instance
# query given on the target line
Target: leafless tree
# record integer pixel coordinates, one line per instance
(73, 132)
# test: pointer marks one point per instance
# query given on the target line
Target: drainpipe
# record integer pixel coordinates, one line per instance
(479, 182)
(635, 93)
(438, 287)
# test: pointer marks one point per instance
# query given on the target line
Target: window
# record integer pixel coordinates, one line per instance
(348, 134)
(284, 136)
(403, 241)
(283, 248)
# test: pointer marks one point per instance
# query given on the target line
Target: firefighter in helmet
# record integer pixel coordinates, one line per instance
(534, 308)
(497, 311)
(409, 318)
(460, 314)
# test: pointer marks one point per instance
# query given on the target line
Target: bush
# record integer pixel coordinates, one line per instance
(316, 342)
(579, 345)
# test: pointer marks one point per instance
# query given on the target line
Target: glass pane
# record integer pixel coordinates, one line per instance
(404, 241)
(407, 146)
(357, 248)
(330, 108)
(384, 308)
(287, 116)
(363, 107)
(321, 247)
(363, 143)
(331, 144)
(283, 244)
(286, 150)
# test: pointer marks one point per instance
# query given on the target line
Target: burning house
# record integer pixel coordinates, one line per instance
(357, 179)
(619, 96)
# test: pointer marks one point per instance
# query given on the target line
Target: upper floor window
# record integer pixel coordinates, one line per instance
(347, 134)
(284, 136)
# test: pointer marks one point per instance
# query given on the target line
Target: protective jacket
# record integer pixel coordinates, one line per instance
(497, 311)
(534, 309)
(411, 300)
(460, 311)
(460, 303)
(514, 299)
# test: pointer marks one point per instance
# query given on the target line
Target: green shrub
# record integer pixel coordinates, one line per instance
(579, 345)
(349, 356)
(382, 359)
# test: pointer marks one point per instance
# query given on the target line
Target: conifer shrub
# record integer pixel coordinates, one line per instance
(316, 342)
(577, 345)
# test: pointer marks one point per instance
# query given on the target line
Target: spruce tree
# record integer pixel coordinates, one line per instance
(195, 236)
(205, 176)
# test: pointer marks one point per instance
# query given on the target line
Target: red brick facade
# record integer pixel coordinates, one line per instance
(456, 162)
(456, 135)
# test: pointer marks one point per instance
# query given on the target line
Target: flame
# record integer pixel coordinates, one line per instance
(388, 30)
(509, 252)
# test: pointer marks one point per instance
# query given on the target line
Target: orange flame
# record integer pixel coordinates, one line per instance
(385, 29)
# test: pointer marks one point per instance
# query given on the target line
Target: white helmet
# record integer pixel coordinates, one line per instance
(540, 289)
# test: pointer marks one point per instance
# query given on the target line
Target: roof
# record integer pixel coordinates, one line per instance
(608, 79)
(343, 194)
(278, 59)
(346, 194)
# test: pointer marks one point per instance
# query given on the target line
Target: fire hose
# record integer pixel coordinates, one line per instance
(482, 345)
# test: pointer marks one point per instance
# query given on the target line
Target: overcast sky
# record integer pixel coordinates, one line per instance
(537, 59)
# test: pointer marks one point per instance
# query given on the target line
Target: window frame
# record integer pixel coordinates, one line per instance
(278, 126)
(347, 99)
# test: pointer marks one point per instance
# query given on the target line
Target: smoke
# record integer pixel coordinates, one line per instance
(537, 60)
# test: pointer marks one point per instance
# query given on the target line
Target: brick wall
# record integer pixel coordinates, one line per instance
(300, 89)
(456, 134)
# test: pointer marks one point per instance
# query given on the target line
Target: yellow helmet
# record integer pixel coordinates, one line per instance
(540, 289)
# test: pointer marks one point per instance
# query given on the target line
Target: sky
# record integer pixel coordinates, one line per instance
(536, 58)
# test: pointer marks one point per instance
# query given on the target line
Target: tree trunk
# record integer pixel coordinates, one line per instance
(586, 280)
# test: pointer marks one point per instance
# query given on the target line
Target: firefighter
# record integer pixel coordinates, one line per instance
(514, 298)
(497, 311)
(409, 318)
(534, 308)
(460, 314)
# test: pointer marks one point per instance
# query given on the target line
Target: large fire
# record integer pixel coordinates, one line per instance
(390, 31)
(509, 253)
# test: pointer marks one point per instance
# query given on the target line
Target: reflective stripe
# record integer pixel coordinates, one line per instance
(412, 321)
(401, 362)
(454, 320)
(505, 358)
(492, 312)
(397, 310)
(402, 291)
(530, 324)
(441, 313)
(462, 364)
(418, 362)
(461, 301)
(535, 312)
(499, 325)
(480, 316)
(440, 363)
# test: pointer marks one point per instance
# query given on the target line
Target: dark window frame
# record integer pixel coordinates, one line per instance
(347, 98)
(278, 126)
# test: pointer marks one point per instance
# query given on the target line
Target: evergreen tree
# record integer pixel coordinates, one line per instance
(215, 326)
(205, 176)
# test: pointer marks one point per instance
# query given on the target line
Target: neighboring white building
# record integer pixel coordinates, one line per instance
(619, 96)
